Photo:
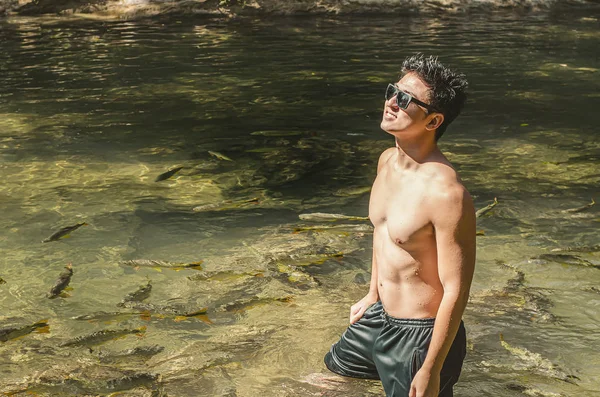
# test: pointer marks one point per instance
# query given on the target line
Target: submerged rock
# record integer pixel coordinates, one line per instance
(93, 379)
(531, 391)
(536, 362)
(515, 297)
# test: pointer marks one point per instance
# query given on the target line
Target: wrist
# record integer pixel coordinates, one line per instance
(431, 368)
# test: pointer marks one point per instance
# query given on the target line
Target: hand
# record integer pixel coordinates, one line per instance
(358, 309)
(425, 384)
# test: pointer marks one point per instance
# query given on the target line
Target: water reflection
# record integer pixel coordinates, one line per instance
(270, 120)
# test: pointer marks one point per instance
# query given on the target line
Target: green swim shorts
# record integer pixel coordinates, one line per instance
(379, 346)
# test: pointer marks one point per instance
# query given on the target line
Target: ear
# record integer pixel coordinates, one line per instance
(436, 120)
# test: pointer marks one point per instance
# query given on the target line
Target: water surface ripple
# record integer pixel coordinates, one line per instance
(270, 120)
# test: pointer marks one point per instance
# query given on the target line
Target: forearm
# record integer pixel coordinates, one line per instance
(446, 326)
(373, 290)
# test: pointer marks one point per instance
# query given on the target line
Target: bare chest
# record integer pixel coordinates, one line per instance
(398, 207)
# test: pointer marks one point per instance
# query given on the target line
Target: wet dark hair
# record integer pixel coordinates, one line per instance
(446, 88)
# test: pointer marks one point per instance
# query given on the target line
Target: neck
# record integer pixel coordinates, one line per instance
(412, 153)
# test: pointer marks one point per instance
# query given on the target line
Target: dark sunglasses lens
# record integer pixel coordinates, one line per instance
(403, 100)
(390, 92)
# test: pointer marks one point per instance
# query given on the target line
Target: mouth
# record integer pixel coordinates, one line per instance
(389, 115)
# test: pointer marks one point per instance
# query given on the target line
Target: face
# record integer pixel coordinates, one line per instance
(414, 119)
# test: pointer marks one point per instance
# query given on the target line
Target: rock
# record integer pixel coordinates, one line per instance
(132, 9)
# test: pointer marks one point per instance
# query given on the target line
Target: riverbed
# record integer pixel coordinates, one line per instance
(269, 120)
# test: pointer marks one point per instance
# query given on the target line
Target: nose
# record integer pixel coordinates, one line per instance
(392, 102)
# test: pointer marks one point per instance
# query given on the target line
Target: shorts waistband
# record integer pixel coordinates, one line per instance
(409, 322)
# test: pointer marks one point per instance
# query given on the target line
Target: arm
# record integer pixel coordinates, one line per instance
(358, 309)
(454, 224)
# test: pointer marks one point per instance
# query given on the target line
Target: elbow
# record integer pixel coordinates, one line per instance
(458, 296)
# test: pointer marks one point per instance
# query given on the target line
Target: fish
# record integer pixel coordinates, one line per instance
(143, 292)
(352, 191)
(243, 305)
(225, 205)
(340, 227)
(567, 259)
(208, 207)
(140, 351)
(220, 156)
(361, 278)
(296, 277)
(318, 259)
(584, 248)
(106, 316)
(166, 264)
(99, 337)
(324, 217)
(275, 133)
(515, 283)
(487, 208)
(63, 281)
(263, 150)
(8, 333)
(579, 209)
(592, 289)
(165, 310)
(168, 174)
(2, 281)
(132, 381)
(223, 276)
(65, 231)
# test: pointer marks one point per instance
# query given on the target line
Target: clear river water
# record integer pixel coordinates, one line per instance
(208, 282)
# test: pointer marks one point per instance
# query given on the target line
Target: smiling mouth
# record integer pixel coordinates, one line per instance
(390, 114)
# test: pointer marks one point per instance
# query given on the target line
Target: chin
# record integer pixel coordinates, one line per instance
(387, 127)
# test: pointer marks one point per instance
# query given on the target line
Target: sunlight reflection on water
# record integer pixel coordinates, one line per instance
(92, 113)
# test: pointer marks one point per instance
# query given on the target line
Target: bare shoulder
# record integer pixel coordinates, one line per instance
(384, 157)
(447, 196)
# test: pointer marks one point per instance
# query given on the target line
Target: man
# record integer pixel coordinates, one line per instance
(407, 331)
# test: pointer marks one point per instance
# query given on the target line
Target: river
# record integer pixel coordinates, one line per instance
(271, 119)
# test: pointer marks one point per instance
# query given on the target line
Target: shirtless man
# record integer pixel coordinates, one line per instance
(407, 331)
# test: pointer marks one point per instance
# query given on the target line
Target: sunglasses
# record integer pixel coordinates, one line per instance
(403, 99)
